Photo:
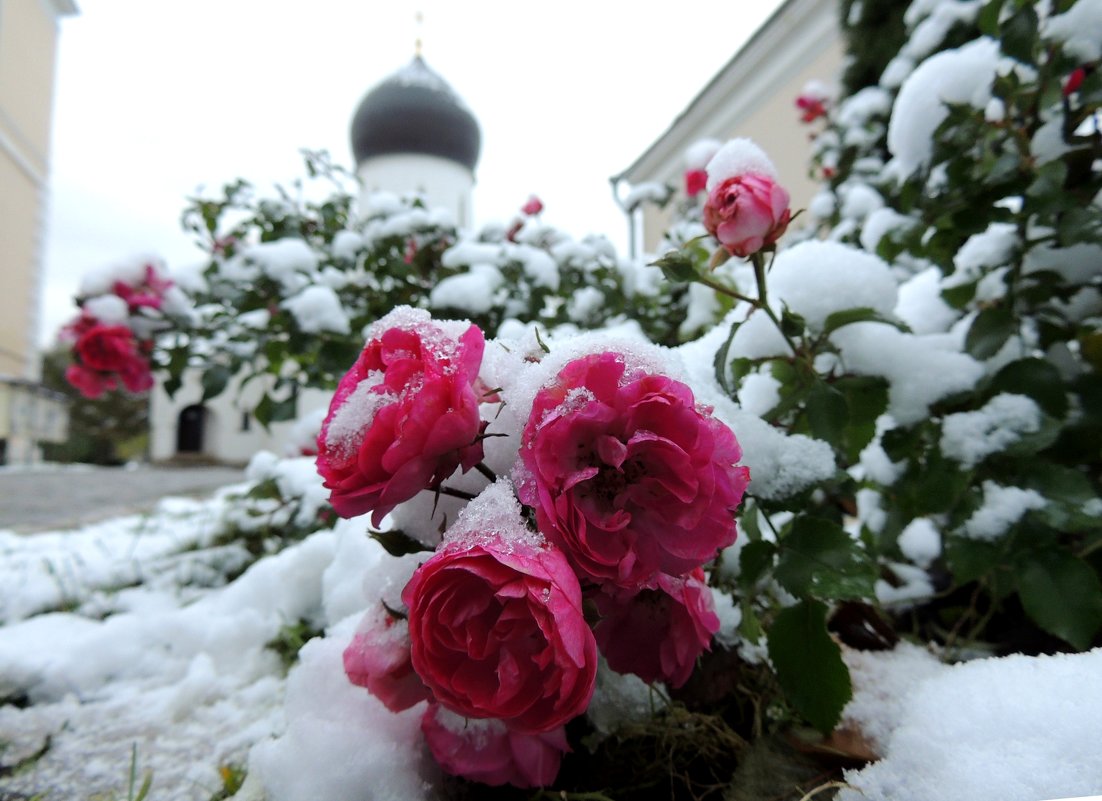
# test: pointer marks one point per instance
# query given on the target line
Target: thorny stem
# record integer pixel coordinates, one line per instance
(455, 493)
(486, 471)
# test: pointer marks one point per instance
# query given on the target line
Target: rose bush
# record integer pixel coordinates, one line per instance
(627, 475)
(497, 631)
(404, 417)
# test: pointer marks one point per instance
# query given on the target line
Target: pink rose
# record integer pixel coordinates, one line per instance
(109, 348)
(378, 659)
(627, 475)
(150, 293)
(812, 107)
(533, 207)
(89, 383)
(490, 752)
(404, 417)
(497, 631)
(659, 632)
(695, 181)
(747, 213)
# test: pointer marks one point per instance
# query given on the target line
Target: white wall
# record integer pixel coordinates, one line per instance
(443, 182)
(223, 437)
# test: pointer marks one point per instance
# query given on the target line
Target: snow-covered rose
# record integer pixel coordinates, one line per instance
(404, 417)
(490, 752)
(497, 631)
(747, 213)
(627, 474)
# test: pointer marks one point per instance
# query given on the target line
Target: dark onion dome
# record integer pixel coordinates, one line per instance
(415, 111)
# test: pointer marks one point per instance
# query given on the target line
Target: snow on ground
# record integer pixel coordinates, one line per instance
(126, 638)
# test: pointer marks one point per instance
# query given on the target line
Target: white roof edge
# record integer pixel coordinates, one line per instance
(797, 32)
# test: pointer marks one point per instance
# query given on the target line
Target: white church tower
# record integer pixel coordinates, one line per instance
(413, 133)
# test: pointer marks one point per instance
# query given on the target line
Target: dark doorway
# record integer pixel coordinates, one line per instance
(189, 429)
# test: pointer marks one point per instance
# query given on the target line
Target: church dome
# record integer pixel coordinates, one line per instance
(415, 111)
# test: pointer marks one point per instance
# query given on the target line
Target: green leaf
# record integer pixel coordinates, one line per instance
(971, 559)
(866, 399)
(990, 331)
(827, 413)
(988, 19)
(676, 266)
(1036, 379)
(719, 365)
(1062, 595)
(1019, 33)
(792, 324)
(861, 315)
(818, 558)
(397, 543)
(809, 664)
(214, 381)
(754, 559)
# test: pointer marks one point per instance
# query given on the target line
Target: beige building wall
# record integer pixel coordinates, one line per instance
(28, 44)
(753, 96)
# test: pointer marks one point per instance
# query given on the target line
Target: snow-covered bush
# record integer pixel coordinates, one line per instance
(914, 383)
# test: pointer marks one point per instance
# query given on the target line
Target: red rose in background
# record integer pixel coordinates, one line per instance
(110, 348)
(497, 631)
(747, 213)
(533, 207)
(812, 107)
(490, 752)
(1074, 81)
(695, 181)
(659, 632)
(627, 475)
(404, 417)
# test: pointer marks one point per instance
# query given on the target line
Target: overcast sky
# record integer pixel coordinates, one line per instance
(158, 98)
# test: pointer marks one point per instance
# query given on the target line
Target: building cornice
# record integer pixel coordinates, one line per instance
(794, 35)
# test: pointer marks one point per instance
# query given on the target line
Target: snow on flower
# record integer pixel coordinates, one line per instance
(405, 416)
(627, 475)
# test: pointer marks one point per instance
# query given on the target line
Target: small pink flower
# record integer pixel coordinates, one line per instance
(404, 417)
(378, 659)
(497, 631)
(150, 293)
(695, 181)
(628, 476)
(411, 251)
(747, 213)
(90, 383)
(657, 633)
(533, 207)
(812, 107)
(1074, 81)
(490, 752)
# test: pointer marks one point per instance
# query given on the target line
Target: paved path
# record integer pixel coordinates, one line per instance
(60, 497)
